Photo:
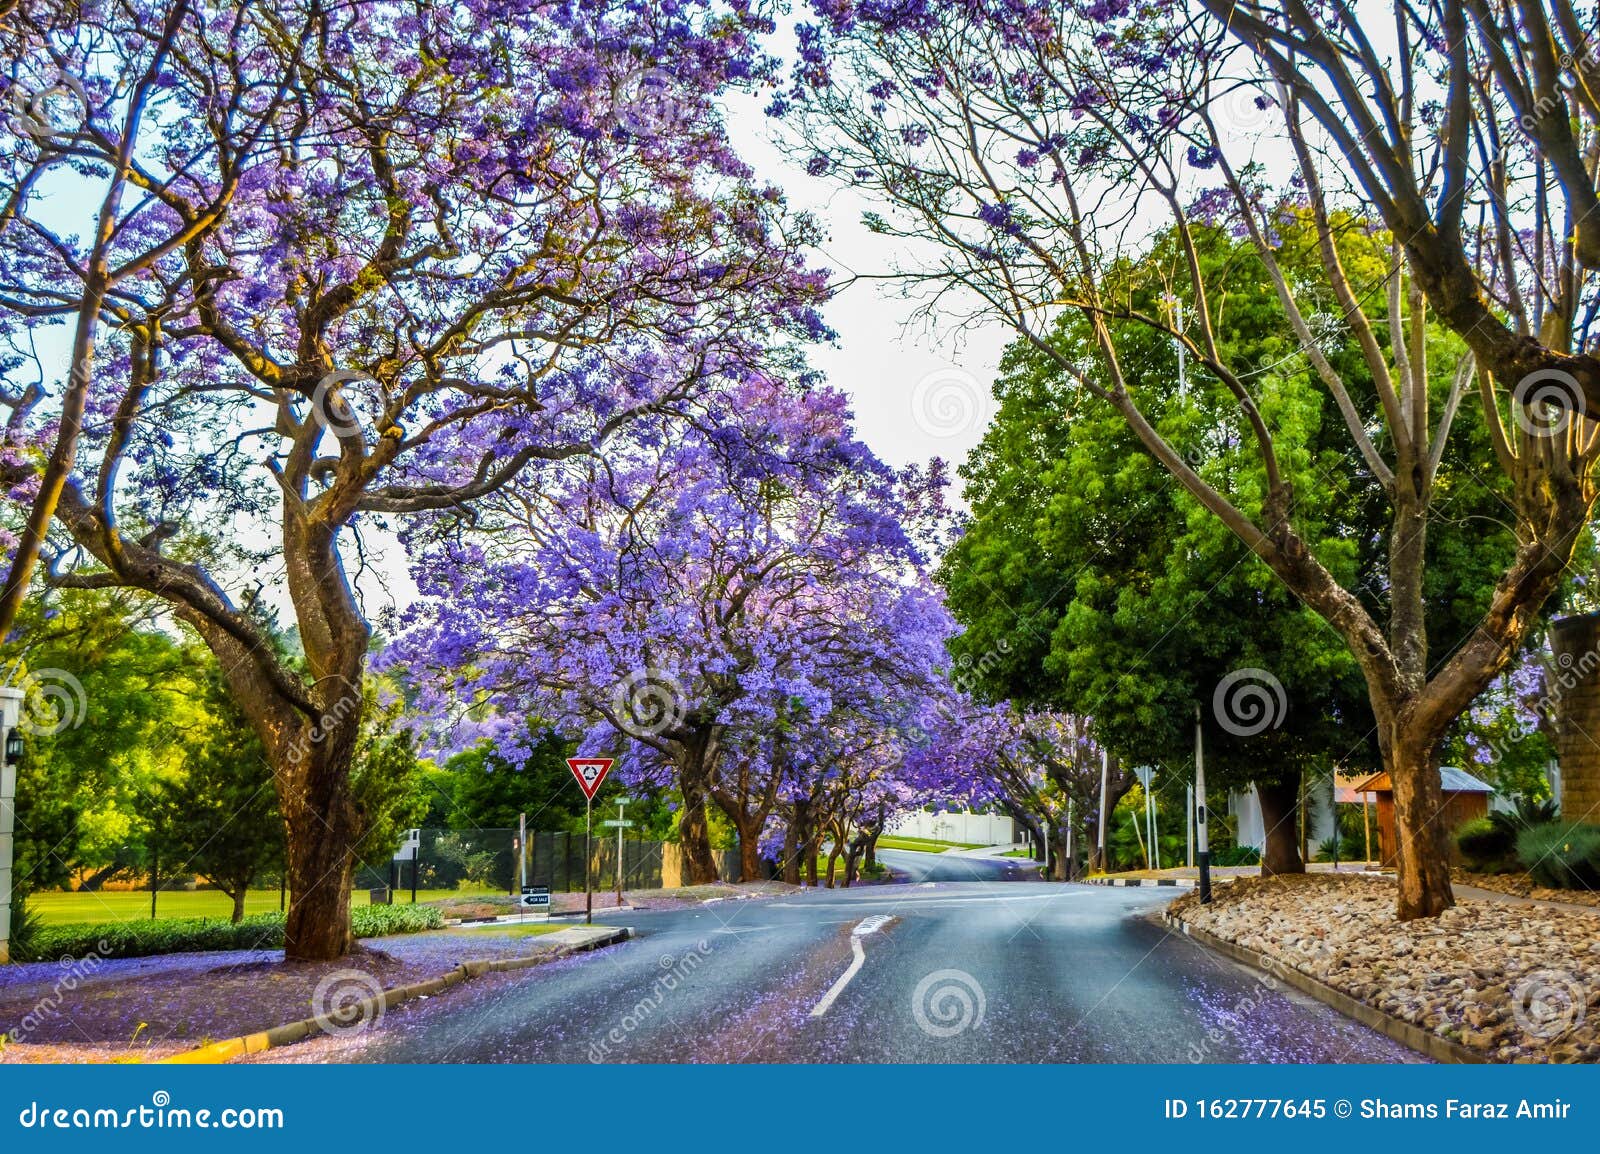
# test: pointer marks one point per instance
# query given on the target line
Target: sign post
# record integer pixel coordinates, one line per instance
(11, 699)
(620, 825)
(590, 772)
(410, 849)
(522, 849)
(535, 899)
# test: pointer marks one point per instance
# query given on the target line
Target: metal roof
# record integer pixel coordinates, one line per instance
(1452, 779)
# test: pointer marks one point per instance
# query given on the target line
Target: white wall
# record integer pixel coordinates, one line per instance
(977, 828)
(1246, 809)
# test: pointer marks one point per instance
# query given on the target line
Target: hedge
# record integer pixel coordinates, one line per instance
(184, 935)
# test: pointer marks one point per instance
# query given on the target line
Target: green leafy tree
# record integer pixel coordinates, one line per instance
(112, 701)
(1089, 580)
(220, 819)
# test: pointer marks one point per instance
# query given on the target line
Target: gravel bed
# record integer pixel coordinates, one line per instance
(1518, 983)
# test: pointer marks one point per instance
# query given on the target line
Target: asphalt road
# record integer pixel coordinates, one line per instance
(957, 965)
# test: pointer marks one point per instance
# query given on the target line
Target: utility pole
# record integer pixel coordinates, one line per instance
(522, 851)
(1069, 867)
(1105, 766)
(1203, 850)
(1183, 358)
(1188, 825)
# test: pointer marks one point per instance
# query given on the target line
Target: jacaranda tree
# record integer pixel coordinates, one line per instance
(439, 244)
(709, 602)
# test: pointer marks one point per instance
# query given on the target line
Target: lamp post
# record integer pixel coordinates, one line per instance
(11, 745)
(1105, 767)
(1202, 854)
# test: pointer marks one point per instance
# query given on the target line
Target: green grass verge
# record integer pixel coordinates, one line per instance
(57, 909)
(924, 844)
(531, 930)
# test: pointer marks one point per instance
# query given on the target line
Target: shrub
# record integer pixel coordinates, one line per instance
(1487, 845)
(381, 921)
(1236, 855)
(1351, 849)
(1562, 856)
(184, 935)
(25, 927)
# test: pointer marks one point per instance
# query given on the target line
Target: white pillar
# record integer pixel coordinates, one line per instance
(10, 715)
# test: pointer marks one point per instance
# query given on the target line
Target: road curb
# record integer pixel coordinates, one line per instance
(292, 1032)
(1424, 1042)
(1180, 883)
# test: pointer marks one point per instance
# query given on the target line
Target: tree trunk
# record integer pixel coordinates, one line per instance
(793, 841)
(1280, 853)
(750, 867)
(1574, 690)
(1422, 856)
(238, 905)
(321, 828)
(694, 830)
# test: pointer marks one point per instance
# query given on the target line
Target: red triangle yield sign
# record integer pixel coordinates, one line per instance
(590, 772)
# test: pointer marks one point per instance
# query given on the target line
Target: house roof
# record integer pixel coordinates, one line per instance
(1456, 780)
(1452, 779)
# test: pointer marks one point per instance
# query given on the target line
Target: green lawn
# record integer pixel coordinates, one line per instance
(1017, 853)
(528, 930)
(126, 906)
(924, 844)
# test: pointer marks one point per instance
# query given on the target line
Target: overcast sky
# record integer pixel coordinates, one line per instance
(918, 393)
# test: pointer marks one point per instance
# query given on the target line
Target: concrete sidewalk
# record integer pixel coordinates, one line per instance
(1463, 890)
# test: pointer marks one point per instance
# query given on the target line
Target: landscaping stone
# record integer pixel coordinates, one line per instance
(1518, 983)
